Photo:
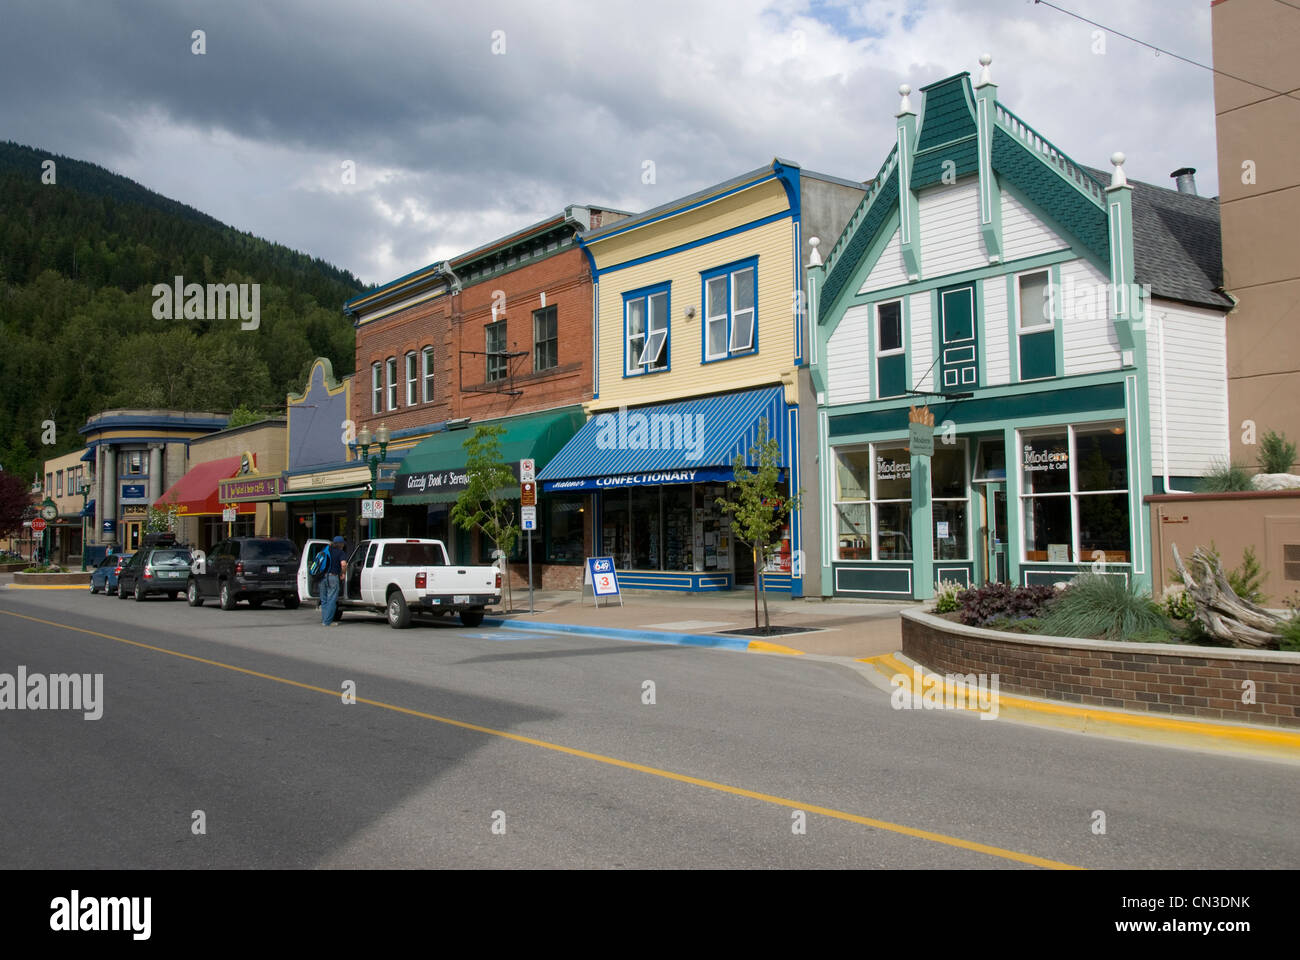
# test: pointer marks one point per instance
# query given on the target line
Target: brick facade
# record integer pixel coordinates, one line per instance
(1146, 677)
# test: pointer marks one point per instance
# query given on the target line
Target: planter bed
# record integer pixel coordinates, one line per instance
(1166, 679)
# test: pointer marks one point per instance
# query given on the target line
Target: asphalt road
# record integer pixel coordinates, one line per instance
(547, 737)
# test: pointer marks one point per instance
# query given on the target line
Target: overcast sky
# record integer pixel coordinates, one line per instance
(454, 143)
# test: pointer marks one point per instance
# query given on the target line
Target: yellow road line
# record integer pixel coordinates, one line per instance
(601, 758)
(1263, 736)
(48, 586)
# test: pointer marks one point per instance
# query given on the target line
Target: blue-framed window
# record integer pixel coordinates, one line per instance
(891, 353)
(730, 297)
(646, 340)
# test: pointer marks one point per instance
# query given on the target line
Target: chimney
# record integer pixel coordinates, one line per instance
(1185, 177)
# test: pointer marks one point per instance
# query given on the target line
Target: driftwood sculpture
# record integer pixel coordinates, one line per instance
(1222, 613)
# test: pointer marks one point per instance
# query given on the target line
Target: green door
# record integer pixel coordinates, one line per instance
(959, 364)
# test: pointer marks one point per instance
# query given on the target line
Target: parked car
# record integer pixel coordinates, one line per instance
(402, 576)
(153, 570)
(104, 576)
(255, 569)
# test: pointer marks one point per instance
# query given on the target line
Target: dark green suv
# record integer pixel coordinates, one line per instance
(160, 567)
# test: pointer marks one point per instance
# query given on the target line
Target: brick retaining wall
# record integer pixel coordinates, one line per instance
(1203, 682)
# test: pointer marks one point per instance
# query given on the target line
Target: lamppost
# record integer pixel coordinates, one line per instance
(363, 441)
(84, 490)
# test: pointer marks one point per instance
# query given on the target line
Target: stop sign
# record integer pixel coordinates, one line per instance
(38, 525)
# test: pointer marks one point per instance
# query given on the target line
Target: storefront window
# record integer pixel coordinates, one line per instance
(679, 524)
(644, 512)
(874, 482)
(1075, 499)
(950, 502)
(614, 533)
(563, 527)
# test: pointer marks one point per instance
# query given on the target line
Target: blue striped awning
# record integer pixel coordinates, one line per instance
(679, 442)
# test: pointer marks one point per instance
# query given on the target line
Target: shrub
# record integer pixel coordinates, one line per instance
(1023, 625)
(1276, 453)
(1290, 634)
(945, 596)
(1177, 603)
(997, 600)
(1224, 478)
(1248, 578)
(1095, 605)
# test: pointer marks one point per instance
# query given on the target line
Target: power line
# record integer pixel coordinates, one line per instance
(1170, 53)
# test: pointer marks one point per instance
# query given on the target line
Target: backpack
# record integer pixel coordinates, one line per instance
(320, 564)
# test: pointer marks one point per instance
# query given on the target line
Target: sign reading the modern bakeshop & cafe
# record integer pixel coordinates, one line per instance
(920, 439)
(1043, 459)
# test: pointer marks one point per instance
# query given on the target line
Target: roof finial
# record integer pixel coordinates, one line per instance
(814, 258)
(904, 106)
(985, 76)
(1117, 178)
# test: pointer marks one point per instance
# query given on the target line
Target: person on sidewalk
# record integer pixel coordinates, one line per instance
(329, 585)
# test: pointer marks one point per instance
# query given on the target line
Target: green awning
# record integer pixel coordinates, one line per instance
(433, 472)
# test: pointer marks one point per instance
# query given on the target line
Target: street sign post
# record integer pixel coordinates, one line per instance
(38, 525)
(528, 469)
(528, 493)
(372, 509)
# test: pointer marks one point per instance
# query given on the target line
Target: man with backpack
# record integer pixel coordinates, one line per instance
(333, 569)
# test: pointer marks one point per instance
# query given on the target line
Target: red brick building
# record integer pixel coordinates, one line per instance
(501, 334)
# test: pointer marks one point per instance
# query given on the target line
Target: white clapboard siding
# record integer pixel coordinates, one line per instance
(848, 365)
(1023, 234)
(921, 328)
(1194, 374)
(888, 271)
(950, 229)
(997, 361)
(1088, 336)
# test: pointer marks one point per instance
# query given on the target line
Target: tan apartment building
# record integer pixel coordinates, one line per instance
(1257, 110)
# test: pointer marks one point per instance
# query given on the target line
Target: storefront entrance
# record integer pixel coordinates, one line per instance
(993, 532)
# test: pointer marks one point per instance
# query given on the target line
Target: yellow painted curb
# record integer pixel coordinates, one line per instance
(1270, 741)
(765, 647)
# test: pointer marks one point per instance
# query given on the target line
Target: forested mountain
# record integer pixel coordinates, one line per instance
(78, 333)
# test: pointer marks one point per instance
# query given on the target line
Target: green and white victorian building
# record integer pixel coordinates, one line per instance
(1065, 328)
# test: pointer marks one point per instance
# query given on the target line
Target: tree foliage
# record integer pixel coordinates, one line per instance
(487, 503)
(78, 262)
(15, 496)
(758, 509)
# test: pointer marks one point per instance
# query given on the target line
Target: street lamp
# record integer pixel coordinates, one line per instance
(364, 438)
(84, 490)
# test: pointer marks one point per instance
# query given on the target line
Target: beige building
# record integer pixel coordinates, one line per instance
(62, 483)
(1258, 120)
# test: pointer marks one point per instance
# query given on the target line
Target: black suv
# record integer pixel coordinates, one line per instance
(161, 565)
(246, 568)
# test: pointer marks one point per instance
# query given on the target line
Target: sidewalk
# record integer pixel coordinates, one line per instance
(842, 628)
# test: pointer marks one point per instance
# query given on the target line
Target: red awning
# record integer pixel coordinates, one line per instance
(196, 494)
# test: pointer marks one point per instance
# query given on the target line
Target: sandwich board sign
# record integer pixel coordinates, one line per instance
(602, 576)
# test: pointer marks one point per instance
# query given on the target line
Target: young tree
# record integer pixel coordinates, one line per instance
(758, 510)
(162, 520)
(487, 503)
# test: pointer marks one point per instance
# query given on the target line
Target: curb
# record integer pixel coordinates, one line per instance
(650, 636)
(1273, 742)
(48, 586)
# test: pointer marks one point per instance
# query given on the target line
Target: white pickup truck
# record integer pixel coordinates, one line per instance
(402, 576)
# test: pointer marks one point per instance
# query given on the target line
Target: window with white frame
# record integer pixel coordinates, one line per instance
(1074, 494)
(891, 357)
(426, 366)
(135, 462)
(730, 312)
(58, 483)
(376, 388)
(412, 379)
(391, 368)
(646, 343)
(498, 363)
(1036, 325)
(873, 503)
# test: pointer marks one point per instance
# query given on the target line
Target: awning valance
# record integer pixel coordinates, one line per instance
(304, 496)
(434, 471)
(195, 494)
(686, 441)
